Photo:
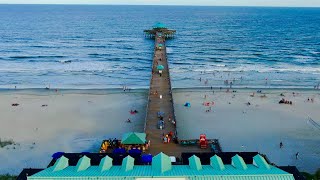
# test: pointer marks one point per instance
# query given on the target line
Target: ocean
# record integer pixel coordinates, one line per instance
(92, 47)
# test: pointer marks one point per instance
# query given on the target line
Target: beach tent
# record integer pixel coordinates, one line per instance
(133, 138)
(119, 151)
(187, 104)
(160, 67)
(135, 151)
(146, 159)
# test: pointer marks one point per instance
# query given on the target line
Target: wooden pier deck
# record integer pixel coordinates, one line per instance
(161, 86)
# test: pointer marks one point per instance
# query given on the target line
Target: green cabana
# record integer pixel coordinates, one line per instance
(160, 67)
(133, 138)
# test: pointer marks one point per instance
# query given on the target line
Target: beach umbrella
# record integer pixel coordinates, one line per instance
(160, 45)
(57, 155)
(147, 159)
(160, 67)
(187, 104)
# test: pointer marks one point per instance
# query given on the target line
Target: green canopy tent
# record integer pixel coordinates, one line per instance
(160, 67)
(133, 138)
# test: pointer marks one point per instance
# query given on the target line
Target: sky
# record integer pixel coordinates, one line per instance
(286, 3)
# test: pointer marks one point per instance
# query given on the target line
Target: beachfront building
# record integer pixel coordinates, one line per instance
(162, 167)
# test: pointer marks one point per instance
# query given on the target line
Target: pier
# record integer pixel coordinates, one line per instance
(160, 100)
(160, 120)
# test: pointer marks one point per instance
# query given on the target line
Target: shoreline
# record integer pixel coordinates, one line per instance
(136, 89)
(101, 114)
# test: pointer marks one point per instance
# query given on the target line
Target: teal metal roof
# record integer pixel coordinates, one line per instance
(161, 167)
(159, 25)
(133, 138)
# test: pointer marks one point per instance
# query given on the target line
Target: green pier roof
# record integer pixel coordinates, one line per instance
(159, 25)
(162, 168)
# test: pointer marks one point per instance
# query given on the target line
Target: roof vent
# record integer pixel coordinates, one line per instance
(216, 163)
(127, 163)
(238, 162)
(105, 163)
(161, 162)
(195, 163)
(260, 162)
(83, 163)
(61, 164)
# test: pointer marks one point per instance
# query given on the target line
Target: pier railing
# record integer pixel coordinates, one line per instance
(149, 93)
(170, 84)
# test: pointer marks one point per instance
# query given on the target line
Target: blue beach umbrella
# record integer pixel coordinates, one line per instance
(160, 67)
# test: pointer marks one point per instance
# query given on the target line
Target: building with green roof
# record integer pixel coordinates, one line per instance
(133, 138)
(159, 25)
(160, 29)
(163, 168)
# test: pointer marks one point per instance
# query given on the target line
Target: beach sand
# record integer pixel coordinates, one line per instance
(71, 122)
(260, 126)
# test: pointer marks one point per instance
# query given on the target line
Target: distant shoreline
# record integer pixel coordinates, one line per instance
(174, 5)
(97, 91)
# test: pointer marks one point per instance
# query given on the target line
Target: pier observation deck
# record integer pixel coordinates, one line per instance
(160, 99)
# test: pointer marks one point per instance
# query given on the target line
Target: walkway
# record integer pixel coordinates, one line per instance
(160, 99)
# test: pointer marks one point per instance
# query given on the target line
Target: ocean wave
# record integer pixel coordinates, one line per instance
(35, 57)
(96, 46)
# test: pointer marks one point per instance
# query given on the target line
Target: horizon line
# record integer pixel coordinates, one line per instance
(193, 5)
